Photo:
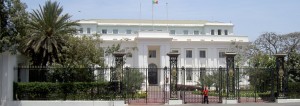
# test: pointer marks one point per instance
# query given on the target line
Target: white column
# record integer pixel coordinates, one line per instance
(8, 62)
(164, 61)
(162, 64)
(135, 57)
(182, 55)
(142, 56)
(214, 59)
(182, 61)
(143, 62)
(196, 58)
(145, 56)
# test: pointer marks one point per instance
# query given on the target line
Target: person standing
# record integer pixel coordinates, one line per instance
(205, 94)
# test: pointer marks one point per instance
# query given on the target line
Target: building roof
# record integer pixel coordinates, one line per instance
(136, 21)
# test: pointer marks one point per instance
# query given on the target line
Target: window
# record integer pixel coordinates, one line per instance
(202, 73)
(128, 31)
(221, 54)
(219, 31)
(185, 32)
(129, 54)
(152, 53)
(104, 31)
(196, 32)
(212, 32)
(172, 32)
(174, 51)
(202, 54)
(226, 32)
(88, 30)
(81, 30)
(189, 53)
(189, 74)
(115, 31)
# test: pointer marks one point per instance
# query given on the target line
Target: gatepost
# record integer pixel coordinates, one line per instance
(174, 98)
(231, 73)
(117, 76)
(7, 64)
(282, 78)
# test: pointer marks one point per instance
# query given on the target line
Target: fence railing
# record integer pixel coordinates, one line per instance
(142, 84)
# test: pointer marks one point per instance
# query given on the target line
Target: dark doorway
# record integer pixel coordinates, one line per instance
(152, 74)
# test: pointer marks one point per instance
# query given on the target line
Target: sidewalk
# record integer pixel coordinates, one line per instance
(240, 104)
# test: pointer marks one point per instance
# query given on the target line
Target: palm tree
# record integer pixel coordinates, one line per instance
(49, 30)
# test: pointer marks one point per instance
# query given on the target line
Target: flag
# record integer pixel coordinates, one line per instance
(154, 1)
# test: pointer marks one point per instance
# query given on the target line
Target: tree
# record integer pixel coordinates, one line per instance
(13, 24)
(241, 51)
(70, 74)
(117, 48)
(294, 65)
(269, 43)
(262, 50)
(263, 60)
(291, 45)
(78, 65)
(49, 31)
(211, 78)
(260, 78)
(83, 51)
(291, 41)
(133, 80)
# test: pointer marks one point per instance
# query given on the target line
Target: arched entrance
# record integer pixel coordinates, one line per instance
(152, 74)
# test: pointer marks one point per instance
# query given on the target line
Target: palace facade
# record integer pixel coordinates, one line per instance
(201, 44)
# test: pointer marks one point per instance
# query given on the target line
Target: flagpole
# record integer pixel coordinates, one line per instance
(152, 17)
(167, 16)
(140, 16)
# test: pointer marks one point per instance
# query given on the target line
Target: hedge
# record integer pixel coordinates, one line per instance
(294, 90)
(65, 91)
(181, 87)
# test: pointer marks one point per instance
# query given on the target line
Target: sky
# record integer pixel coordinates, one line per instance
(250, 17)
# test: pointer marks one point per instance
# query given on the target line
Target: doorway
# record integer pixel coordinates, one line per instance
(152, 74)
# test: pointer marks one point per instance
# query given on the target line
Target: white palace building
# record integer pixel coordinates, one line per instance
(201, 44)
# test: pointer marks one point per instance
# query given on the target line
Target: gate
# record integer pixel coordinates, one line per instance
(191, 82)
(195, 79)
(230, 83)
(137, 89)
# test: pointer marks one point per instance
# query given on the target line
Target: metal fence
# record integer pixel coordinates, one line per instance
(257, 85)
(146, 85)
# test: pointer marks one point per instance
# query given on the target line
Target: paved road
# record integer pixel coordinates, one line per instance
(241, 104)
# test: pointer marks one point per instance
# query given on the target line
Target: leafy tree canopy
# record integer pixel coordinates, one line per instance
(49, 31)
(261, 52)
(83, 51)
(13, 20)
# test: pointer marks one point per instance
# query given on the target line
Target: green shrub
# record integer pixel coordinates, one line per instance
(62, 91)
(181, 87)
(293, 90)
(141, 94)
(34, 90)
